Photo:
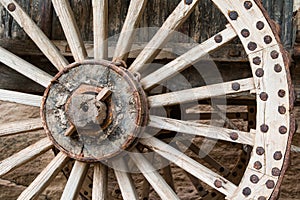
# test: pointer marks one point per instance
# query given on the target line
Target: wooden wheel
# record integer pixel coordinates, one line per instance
(98, 113)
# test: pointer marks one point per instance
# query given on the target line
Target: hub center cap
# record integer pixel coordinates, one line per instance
(104, 104)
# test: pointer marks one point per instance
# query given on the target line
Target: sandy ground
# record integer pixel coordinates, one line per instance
(12, 184)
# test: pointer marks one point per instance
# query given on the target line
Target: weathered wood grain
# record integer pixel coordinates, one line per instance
(200, 93)
(24, 156)
(13, 128)
(44, 178)
(203, 130)
(153, 177)
(189, 165)
(75, 181)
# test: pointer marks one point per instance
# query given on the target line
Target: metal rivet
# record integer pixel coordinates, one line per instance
(260, 151)
(218, 183)
(248, 5)
(274, 54)
(188, 2)
(277, 68)
(282, 130)
(233, 15)
(246, 191)
(260, 25)
(276, 171)
(218, 38)
(281, 93)
(261, 198)
(259, 72)
(270, 184)
(257, 60)
(245, 33)
(263, 96)
(254, 179)
(11, 7)
(257, 165)
(234, 136)
(282, 110)
(252, 46)
(236, 86)
(264, 128)
(277, 155)
(267, 39)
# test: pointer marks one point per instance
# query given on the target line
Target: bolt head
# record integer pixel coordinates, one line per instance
(248, 5)
(277, 155)
(277, 68)
(282, 130)
(276, 171)
(267, 39)
(259, 72)
(188, 2)
(257, 165)
(233, 15)
(245, 33)
(264, 96)
(257, 60)
(236, 86)
(260, 151)
(11, 7)
(281, 93)
(270, 184)
(218, 183)
(234, 136)
(260, 25)
(218, 38)
(264, 128)
(254, 179)
(261, 198)
(282, 110)
(246, 191)
(252, 46)
(274, 54)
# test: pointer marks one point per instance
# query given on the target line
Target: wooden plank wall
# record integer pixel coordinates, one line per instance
(199, 26)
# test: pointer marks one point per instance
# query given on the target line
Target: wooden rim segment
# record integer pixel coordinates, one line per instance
(271, 83)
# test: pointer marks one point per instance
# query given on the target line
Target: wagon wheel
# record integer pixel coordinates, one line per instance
(119, 108)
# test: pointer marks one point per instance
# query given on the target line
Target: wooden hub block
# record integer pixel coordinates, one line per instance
(93, 111)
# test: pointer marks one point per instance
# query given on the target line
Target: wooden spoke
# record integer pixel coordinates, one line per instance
(100, 182)
(126, 38)
(125, 181)
(24, 156)
(35, 33)
(153, 177)
(100, 19)
(188, 58)
(22, 98)
(44, 178)
(201, 93)
(75, 181)
(67, 20)
(190, 165)
(25, 68)
(179, 15)
(13, 128)
(203, 130)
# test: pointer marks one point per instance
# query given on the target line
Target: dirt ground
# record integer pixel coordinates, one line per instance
(12, 184)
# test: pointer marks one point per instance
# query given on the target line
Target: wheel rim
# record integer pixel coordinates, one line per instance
(270, 140)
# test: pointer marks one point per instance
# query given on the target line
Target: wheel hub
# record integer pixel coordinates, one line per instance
(105, 105)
